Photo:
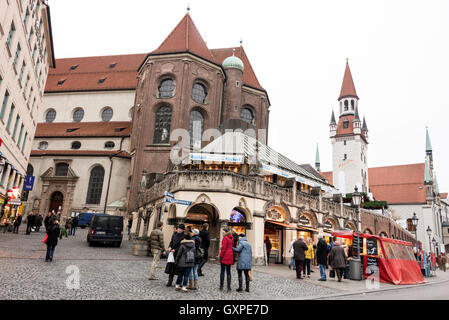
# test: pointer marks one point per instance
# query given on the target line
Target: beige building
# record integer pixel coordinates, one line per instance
(26, 54)
(80, 154)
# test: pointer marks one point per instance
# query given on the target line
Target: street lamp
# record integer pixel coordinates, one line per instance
(429, 233)
(434, 242)
(415, 224)
(356, 263)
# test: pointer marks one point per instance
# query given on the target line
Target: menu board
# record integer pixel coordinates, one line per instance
(354, 245)
(370, 261)
(371, 247)
(372, 266)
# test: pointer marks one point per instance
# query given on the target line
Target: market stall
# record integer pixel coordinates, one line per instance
(393, 260)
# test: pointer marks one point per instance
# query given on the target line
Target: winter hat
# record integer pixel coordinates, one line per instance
(181, 226)
(225, 229)
(196, 231)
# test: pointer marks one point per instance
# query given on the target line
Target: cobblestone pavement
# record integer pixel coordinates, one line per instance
(114, 273)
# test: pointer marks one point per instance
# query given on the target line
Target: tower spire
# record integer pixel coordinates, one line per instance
(347, 86)
(317, 159)
(333, 122)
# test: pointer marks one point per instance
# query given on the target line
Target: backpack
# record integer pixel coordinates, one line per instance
(190, 256)
(199, 253)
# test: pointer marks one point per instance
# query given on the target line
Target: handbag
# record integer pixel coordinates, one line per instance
(332, 273)
(171, 258)
(45, 239)
(250, 275)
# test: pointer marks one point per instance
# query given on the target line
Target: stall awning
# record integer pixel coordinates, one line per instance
(287, 226)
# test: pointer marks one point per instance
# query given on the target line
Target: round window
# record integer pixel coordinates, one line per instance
(43, 145)
(109, 145)
(106, 114)
(78, 115)
(76, 145)
(50, 116)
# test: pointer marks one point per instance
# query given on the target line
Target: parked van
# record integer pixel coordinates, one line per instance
(106, 228)
(85, 219)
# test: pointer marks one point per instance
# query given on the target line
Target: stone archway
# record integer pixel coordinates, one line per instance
(350, 225)
(309, 215)
(282, 206)
(56, 202)
(331, 221)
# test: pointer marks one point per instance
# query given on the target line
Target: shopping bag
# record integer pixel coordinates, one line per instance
(250, 274)
(332, 274)
(171, 257)
(45, 239)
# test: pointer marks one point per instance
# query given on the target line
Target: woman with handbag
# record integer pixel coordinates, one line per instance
(244, 263)
(52, 240)
(177, 237)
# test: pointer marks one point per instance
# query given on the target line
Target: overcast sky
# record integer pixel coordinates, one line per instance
(398, 53)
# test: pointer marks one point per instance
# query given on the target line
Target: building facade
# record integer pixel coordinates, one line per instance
(26, 56)
(80, 155)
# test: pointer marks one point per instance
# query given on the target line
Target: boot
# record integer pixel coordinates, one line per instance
(240, 289)
(221, 282)
(195, 284)
(170, 280)
(247, 285)
(190, 286)
(229, 284)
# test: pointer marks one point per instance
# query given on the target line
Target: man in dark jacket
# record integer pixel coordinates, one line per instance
(175, 242)
(185, 262)
(38, 222)
(31, 220)
(17, 223)
(299, 248)
(157, 246)
(337, 259)
(205, 242)
(130, 224)
(74, 225)
(49, 220)
(52, 240)
(321, 257)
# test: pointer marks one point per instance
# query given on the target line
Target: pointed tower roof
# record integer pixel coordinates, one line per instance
(333, 122)
(364, 126)
(317, 157)
(427, 178)
(185, 37)
(356, 115)
(347, 87)
(428, 145)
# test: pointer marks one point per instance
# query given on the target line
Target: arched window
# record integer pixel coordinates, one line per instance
(62, 169)
(166, 88)
(50, 116)
(76, 145)
(196, 124)
(247, 115)
(30, 170)
(109, 145)
(345, 123)
(199, 92)
(78, 115)
(352, 104)
(106, 114)
(162, 125)
(43, 145)
(346, 105)
(95, 185)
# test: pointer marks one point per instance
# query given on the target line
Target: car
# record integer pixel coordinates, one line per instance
(85, 218)
(105, 229)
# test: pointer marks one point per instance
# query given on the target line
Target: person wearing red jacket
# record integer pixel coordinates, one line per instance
(226, 257)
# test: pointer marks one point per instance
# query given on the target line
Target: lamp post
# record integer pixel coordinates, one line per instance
(415, 224)
(434, 242)
(355, 267)
(429, 233)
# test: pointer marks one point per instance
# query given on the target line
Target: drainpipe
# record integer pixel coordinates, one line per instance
(110, 172)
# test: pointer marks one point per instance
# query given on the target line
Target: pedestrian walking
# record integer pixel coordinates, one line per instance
(157, 247)
(309, 256)
(31, 220)
(205, 242)
(337, 259)
(185, 260)
(52, 240)
(68, 225)
(299, 248)
(321, 256)
(173, 247)
(130, 223)
(49, 220)
(17, 223)
(193, 277)
(443, 261)
(74, 225)
(39, 219)
(244, 262)
(226, 258)
(268, 245)
(292, 252)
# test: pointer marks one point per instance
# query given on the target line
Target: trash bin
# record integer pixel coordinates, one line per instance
(355, 269)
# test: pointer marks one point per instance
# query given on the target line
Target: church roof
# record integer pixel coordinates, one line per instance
(83, 129)
(347, 87)
(185, 37)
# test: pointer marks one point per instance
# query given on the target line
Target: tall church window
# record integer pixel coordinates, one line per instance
(199, 92)
(352, 104)
(247, 115)
(162, 125)
(95, 185)
(196, 125)
(166, 88)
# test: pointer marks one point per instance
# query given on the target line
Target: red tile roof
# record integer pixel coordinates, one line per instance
(40, 153)
(185, 37)
(88, 70)
(347, 87)
(328, 176)
(84, 129)
(443, 195)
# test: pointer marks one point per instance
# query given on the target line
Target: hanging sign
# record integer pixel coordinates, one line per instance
(168, 194)
(304, 220)
(182, 202)
(215, 157)
(29, 183)
(328, 225)
(15, 202)
(275, 215)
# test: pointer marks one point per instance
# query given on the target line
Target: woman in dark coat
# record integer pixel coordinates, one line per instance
(321, 257)
(185, 260)
(17, 223)
(173, 247)
(338, 259)
(244, 263)
(226, 258)
(52, 240)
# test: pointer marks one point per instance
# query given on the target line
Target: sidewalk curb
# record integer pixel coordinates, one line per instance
(372, 291)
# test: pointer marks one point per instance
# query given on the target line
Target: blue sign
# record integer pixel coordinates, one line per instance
(29, 182)
(168, 194)
(183, 202)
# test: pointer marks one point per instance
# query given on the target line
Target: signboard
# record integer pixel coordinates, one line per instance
(371, 246)
(355, 246)
(275, 215)
(15, 202)
(215, 157)
(183, 202)
(29, 183)
(168, 194)
(304, 220)
(328, 225)
(372, 265)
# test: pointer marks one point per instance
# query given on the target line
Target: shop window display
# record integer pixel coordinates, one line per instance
(237, 221)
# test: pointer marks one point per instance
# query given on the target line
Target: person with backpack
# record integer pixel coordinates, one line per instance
(199, 252)
(226, 257)
(244, 263)
(185, 260)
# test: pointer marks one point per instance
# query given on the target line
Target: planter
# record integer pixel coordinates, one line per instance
(140, 247)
